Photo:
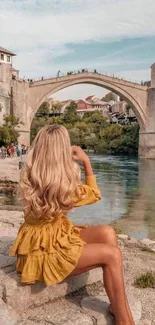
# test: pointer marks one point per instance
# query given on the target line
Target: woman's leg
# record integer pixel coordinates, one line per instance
(101, 255)
(106, 235)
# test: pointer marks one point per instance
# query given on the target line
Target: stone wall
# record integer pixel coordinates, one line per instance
(5, 89)
(4, 103)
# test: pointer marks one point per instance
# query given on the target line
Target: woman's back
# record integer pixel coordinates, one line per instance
(48, 246)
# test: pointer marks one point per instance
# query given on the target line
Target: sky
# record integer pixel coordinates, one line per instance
(112, 36)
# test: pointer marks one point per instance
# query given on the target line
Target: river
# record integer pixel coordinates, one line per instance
(128, 196)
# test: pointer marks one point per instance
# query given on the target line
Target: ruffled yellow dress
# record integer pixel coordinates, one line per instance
(49, 250)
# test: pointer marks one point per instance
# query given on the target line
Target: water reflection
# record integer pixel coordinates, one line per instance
(128, 196)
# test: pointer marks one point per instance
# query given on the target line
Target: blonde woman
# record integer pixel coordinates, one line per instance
(49, 247)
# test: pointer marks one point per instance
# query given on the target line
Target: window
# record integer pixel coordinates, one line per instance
(8, 58)
(2, 57)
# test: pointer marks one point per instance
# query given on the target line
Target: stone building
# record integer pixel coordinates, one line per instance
(7, 72)
(99, 105)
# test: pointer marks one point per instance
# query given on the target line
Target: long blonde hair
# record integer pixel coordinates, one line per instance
(49, 176)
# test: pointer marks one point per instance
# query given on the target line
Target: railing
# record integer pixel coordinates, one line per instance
(70, 73)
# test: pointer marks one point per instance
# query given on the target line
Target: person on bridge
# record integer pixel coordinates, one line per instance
(49, 247)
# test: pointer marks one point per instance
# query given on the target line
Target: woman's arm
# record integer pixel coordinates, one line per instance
(88, 167)
(89, 192)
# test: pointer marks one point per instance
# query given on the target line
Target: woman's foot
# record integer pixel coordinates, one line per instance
(111, 310)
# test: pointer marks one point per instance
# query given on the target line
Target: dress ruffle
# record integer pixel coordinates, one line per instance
(47, 252)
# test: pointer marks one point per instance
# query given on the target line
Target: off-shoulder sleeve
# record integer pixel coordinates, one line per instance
(87, 193)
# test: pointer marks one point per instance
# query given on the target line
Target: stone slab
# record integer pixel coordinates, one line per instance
(132, 242)
(59, 312)
(5, 245)
(123, 237)
(11, 219)
(21, 297)
(148, 242)
(97, 306)
(6, 261)
(145, 322)
(7, 315)
(79, 320)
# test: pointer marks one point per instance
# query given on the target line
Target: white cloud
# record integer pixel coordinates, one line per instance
(39, 30)
(136, 75)
(79, 91)
(92, 20)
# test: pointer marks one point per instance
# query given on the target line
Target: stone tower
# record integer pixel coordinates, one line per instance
(6, 74)
(153, 76)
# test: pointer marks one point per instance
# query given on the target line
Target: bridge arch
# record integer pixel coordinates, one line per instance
(121, 87)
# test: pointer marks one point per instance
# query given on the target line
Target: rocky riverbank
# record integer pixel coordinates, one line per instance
(77, 301)
(9, 170)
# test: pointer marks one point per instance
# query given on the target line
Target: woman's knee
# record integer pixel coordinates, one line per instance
(113, 255)
(107, 234)
(116, 255)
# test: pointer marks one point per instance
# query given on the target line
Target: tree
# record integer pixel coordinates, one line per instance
(75, 136)
(8, 132)
(71, 115)
(44, 109)
(92, 131)
(111, 132)
(1, 107)
(56, 108)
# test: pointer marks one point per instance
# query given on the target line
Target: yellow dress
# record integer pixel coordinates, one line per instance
(49, 250)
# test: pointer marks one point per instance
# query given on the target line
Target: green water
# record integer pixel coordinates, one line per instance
(128, 196)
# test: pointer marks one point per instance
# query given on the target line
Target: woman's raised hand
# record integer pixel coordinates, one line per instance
(79, 154)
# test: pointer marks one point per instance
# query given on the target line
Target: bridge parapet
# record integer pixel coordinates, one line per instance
(83, 75)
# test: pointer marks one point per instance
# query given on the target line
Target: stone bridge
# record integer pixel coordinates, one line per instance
(27, 98)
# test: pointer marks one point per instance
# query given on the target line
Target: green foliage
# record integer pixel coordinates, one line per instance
(147, 250)
(71, 115)
(117, 229)
(111, 132)
(146, 280)
(8, 132)
(44, 109)
(56, 108)
(93, 131)
(1, 107)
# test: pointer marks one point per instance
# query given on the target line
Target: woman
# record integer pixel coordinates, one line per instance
(48, 246)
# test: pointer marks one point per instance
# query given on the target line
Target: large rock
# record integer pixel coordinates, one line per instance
(5, 244)
(21, 297)
(10, 219)
(147, 242)
(145, 322)
(123, 237)
(98, 307)
(6, 261)
(7, 315)
(59, 312)
(132, 242)
(79, 320)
